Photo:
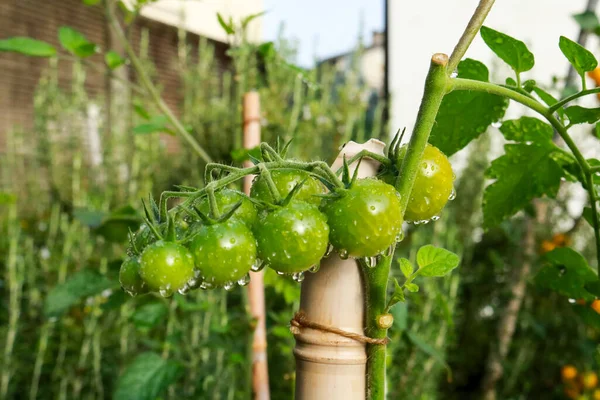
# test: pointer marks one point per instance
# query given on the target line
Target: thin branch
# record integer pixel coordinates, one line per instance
(469, 34)
(569, 99)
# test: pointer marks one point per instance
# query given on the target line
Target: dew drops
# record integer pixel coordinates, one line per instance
(243, 281)
(370, 262)
(329, 250)
(280, 273)
(388, 252)
(166, 292)
(205, 285)
(454, 74)
(229, 285)
(314, 268)
(344, 254)
(452, 195)
(416, 222)
(400, 236)
(496, 124)
(184, 289)
(298, 276)
(435, 218)
(258, 265)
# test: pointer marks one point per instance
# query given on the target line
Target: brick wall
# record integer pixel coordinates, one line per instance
(41, 19)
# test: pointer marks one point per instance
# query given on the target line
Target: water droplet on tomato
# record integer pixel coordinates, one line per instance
(452, 195)
(258, 265)
(298, 276)
(229, 285)
(243, 281)
(344, 254)
(314, 268)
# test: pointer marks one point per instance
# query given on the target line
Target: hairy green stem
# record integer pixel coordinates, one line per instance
(569, 99)
(469, 34)
(375, 281)
(548, 114)
(212, 202)
(151, 88)
(266, 175)
(435, 89)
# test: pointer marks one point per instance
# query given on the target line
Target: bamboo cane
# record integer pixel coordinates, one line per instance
(256, 289)
(329, 366)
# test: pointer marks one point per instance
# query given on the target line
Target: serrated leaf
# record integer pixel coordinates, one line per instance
(464, 115)
(406, 267)
(149, 315)
(146, 378)
(512, 51)
(75, 42)
(523, 173)
(587, 20)
(412, 287)
(113, 59)
(582, 115)
(435, 261)
(527, 129)
(567, 272)
(580, 58)
(78, 286)
(397, 296)
(27, 46)
(227, 27)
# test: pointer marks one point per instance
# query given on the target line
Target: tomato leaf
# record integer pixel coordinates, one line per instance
(512, 51)
(146, 377)
(406, 267)
(582, 115)
(587, 20)
(411, 287)
(149, 315)
(81, 284)
(527, 129)
(27, 46)
(567, 272)
(524, 172)
(580, 58)
(397, 296)
(464, 115)
(113, 59)
(435, 261)
(75, 42)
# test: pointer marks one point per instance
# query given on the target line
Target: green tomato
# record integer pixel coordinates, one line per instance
(227, 198)
(292, 238)
(129, 277)
(285, 181)
(433, 185)
(365, 220)
(224, 252)
(166, 266)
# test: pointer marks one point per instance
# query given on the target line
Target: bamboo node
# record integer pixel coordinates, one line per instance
(300, 320)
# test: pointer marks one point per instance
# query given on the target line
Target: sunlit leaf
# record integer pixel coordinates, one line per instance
(75, 42)
(435, 261)
(27, 46)
(512, 51)
(580, 58)
(582, 115)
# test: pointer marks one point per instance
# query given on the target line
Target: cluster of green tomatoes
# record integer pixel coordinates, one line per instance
(291, 220)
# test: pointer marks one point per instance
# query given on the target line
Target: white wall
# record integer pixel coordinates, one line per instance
(418, 29)
(201, 15)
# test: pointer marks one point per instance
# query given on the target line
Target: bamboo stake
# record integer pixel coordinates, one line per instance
(256, 287)
(329, 366)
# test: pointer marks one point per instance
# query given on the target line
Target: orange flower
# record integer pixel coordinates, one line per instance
(596, 305)
(595, 75)
(546, 246)
(568, 372)
(561, 240)
(590, 380)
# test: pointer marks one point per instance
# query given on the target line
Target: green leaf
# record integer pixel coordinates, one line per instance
(435, 261)
(588, 315)
(512, 51)
(527, 129)
(157, 123)
(78, 286)
(588, 216)
(587, 20)
(464, 115)
(91, 2)
(113, 59)
(266, 49)
(431, 351)
(411, 287)
(146, 378)
(115, 226)
(582, 115)
(246, 20)
(593, 288)
(524, 172)
(580, 58)
(75, 42)
(227, 27)
(567, 273)
(27, 46)
(545, 96)
(7, 198)
(149, 315)
(406, 267)
(597, 131)
(397, 296)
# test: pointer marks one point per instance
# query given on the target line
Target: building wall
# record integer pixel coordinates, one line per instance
(41, 19)
(419, 29)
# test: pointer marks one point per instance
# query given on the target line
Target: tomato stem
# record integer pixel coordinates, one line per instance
(435, 89)
(213, 207)
(266, 175)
